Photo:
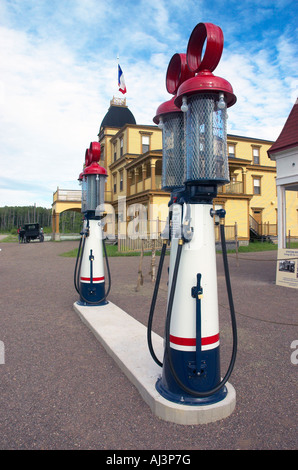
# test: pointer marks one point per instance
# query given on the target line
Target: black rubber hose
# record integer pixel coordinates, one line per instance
(108, 269)
(153, 303)
(76, 267)
(233, 320)
(230, 296)
(80, 264)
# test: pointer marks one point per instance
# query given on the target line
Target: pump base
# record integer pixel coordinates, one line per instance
(83, 303)
(115, 329)
(184, 364)
(92, 294)
(188, 399)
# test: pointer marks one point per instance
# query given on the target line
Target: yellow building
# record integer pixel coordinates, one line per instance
(250, 197)
(133, 158)
(132, 154)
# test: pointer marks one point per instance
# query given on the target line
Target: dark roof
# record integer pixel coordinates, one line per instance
(117, 116)
(289, 135)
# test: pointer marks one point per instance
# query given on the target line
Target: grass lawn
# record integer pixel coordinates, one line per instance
(112, 250)
(261, 246)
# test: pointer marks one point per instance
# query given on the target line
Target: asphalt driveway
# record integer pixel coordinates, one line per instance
(61, 390)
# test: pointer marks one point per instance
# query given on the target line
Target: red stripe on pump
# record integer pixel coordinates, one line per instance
(95, 279)
(192, 341)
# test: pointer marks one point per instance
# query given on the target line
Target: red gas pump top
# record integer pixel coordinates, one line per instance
(204, 34)
(95, 169)
(166, 108)
(205, 82)
(177, 73)
(95, 151)
(92, 155)
(87, 157)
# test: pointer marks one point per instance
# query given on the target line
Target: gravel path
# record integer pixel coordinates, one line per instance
(60, 389)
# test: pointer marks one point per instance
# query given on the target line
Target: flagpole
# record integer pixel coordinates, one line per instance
(118, 67)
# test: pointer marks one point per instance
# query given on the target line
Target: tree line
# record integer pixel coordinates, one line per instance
(13, 217)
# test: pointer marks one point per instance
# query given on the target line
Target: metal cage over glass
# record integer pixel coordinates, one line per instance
(96, 178)
(206, 140)
(173, 162)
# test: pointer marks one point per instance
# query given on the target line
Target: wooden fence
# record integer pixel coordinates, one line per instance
(147, 243)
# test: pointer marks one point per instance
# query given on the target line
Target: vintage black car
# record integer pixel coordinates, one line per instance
(31, 232)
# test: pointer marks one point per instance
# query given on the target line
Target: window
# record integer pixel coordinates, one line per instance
(115, 151)
(145, 143)
(115, 183)
(121, 146)
(121, 180)
(256, 155)
(257, 185)
(231, 150)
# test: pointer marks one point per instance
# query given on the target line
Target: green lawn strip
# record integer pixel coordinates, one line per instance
(112, 250)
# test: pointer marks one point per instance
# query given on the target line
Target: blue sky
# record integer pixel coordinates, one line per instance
(58, 73)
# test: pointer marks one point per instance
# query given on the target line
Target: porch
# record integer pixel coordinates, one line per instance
(63, 200)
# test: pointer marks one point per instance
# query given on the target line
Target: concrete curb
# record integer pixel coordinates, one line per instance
(125, 340)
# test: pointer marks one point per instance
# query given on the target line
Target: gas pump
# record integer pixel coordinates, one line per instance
(171, 120)
(89, 276)
(191, 363)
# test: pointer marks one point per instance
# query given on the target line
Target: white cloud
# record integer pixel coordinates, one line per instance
(264, 97)
(49, 111)
(58, 72)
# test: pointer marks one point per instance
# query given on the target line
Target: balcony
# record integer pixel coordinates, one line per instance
(67, 195)
(147, 184)
(231, 188)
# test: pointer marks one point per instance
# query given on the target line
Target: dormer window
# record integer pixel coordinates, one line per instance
(232, 150)
(256, 155)
(145, 143)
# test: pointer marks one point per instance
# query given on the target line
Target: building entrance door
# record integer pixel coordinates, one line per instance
(257, 215)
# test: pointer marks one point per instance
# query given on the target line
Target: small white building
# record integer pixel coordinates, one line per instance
(285, 152)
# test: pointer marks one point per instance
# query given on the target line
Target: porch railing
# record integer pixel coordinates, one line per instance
(67, 195)
(262, 229)
(135, 244)
(232, 188)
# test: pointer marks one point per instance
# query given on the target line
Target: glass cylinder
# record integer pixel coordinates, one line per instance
(206, 140)
(84, 194)
(173, 161)
(95, 192)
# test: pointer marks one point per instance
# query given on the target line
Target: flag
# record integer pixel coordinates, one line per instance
(121, 82)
